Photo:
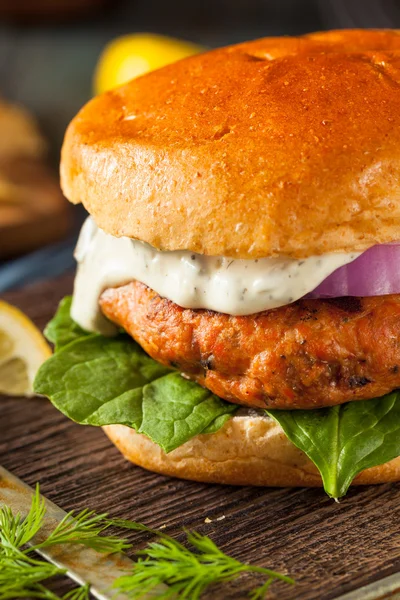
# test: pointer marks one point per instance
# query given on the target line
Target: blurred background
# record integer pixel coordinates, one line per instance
(55, 54)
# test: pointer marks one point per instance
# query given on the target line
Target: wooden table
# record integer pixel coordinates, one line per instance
(328, 548)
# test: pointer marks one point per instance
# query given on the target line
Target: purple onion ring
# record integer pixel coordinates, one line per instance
(375, 273)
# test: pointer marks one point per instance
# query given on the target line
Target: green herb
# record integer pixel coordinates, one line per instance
(165, 561)
(99, 381)
(344, 440)
(24, 575)
(187, 574)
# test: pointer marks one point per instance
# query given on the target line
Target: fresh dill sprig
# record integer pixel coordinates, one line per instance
(186, 573)
(165, 566)
(15, 532)
(80, 593)
(85, 529)
(23, 574)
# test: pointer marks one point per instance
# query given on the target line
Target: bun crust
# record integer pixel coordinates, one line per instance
(247, 450)
(280, 146)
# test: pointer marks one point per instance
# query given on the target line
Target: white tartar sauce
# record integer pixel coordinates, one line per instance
(222, 284)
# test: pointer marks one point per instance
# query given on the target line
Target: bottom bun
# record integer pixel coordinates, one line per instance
(249, 449)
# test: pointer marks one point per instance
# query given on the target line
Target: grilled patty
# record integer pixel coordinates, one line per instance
(309, 354)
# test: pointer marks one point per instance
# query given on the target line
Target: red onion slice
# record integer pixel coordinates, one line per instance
(375, 273)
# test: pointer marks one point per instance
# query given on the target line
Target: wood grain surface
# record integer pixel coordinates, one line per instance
(328, 548)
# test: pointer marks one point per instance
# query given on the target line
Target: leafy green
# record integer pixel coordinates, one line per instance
(187, 574)
(175, 409)
(99, 381)
(344, 440)
(62, 329)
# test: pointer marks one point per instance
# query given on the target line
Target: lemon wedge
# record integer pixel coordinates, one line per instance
(22, 350)
(132, 55)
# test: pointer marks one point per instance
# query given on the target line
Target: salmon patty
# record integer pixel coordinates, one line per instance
(308, 354)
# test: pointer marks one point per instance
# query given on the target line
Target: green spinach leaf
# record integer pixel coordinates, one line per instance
(96, 380)
(344, 440)
(62, 329)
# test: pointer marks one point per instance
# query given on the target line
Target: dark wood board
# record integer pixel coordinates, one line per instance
(328, 548)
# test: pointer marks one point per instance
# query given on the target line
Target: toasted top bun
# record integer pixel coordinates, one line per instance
(280, 146)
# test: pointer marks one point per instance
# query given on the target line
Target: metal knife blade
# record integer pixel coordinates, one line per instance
(83, 565)
(388, 587)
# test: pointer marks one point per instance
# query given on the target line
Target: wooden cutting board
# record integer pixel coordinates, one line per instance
(328, 548)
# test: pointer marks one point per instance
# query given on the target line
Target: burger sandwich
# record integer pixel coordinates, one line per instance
(236, 308)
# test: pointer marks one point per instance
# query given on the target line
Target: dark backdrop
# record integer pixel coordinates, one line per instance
(48, 67)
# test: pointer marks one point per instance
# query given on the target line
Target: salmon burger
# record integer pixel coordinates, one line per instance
(236, 308)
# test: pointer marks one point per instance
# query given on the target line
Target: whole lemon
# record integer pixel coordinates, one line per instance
(132, 55)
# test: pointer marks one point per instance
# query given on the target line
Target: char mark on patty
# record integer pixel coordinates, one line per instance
(356, 382)
(349, 304)
(208, 363)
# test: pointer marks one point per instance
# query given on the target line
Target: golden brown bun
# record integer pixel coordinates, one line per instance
(280, 146)
(247, 450)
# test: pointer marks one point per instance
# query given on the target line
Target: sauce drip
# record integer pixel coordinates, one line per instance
(222, 284)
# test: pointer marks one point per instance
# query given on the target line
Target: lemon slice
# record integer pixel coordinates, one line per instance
(22, 350)
(132, 55)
